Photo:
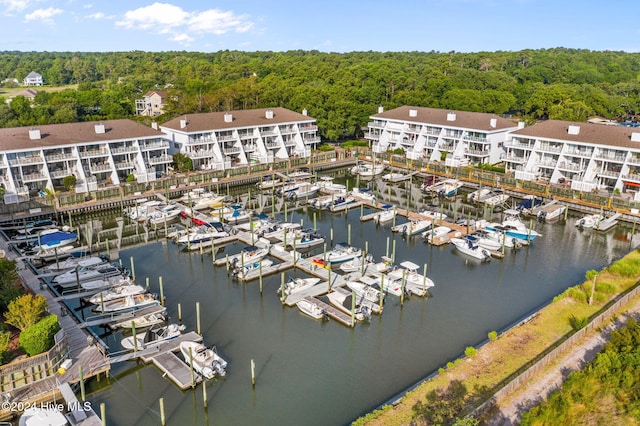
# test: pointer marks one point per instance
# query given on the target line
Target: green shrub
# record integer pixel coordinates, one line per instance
(578, 323)
(69, 182)
(577, 294)
(5, 337)
(470, 351)
(450, 364)
(350, 144)
(626, 268)
(39, 337)
(326, 147)
(493, 335)
(441, 370)
(605, 287)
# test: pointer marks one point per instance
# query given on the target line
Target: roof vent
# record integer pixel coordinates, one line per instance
(493, 123)
(183, 123)
(520, 124)
(99, 128)
(413, 112)
(635, 137)
(268, 114)
(380, 109)
(228, 118)
(573, 129)
(34, 134)
(304, 112)
(154, 125)
(451, 116)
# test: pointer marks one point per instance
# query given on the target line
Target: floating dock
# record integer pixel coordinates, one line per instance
(333, 312)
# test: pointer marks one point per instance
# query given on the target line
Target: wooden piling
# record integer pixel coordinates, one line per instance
(198, 318)
(161, 291)
(253, 373)
(163, 420)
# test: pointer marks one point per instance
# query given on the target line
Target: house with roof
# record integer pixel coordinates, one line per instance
(431, 134)
(152, 103)
(221, 140)
(33, 79)
(98, 154)
(585, 156)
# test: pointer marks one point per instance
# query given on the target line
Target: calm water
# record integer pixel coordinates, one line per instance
(323, 373)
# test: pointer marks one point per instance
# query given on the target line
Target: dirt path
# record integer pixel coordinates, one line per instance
(511, 408)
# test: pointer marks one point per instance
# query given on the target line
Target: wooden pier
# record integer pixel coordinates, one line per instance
(333, 312)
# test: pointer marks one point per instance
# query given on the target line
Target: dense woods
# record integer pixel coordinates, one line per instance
(340, 90)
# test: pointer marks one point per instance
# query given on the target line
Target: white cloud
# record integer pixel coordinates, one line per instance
(183, 26)
(15, 5)
(99, 15)
(43, 15)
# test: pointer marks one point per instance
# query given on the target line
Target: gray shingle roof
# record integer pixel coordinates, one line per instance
(463, 119)
(588, 133)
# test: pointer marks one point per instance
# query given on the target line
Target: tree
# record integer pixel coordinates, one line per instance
(25, 311)
(69, 182)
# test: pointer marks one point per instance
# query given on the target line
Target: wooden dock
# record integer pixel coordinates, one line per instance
(333, 312)
(123, 316)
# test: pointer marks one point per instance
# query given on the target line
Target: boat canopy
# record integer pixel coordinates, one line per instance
(409, 265)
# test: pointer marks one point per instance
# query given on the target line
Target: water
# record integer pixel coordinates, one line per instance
(323, 373)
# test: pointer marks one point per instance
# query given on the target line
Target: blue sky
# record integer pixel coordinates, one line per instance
(326, 25)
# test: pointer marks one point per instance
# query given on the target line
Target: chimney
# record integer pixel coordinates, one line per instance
(304, 112)
(451, 116)
(520, 125)
(154, 125)
(268, 114)
(635, 137)
(413, 112)
(34, 134)
(380, 109)
(183, 123)
(228, 118)
(573, 129)
(493, 123)
(99, 128)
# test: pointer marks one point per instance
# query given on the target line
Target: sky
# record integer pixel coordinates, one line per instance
(323, 25)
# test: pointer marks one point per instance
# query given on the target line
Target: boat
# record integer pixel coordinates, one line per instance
(73, 262)
(528, 203)
(300, 174)
(237, 215)
(344, 302)
(268, 182)
(204, 233)
(342, 252)
(199, 199)
(468, 247)
(496, 198)
(142, 209)
(499, 237)
(549, 211)
(364, 290)
(328, 186)
(414, 282)
(296, 285)
(205, 361)
(42, 416)
(386, 215)
(249, 254)
(479, 195)
(107, 283)
(340, 202)
(481, 239)
(367, 170)
(311, 308)
(430, 184)
(164, 214)
(303, 239)
(152, 336)
(277, 231)
(241, 271)
(86, 273)
(513, 226)
(448, 187)
(355, 264)
(145, 321)
(364, 194)
(116, 293)
(395, 177)
(58, 253)
(412, 227)
(437, 232)
(432, 214)
(607, 222)
(589, 221)
(289, 186)
(47, 240)
(304, 190)
(134, 301)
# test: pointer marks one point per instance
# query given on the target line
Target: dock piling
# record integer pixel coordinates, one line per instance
(253, 373)
(163, 420)
(161, 291)
(198, 318)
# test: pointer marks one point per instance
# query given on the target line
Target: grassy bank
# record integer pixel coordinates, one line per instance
(498, 360)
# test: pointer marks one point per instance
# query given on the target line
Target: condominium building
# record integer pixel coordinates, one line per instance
(585, 156)
(98, 154)
(429, 134)
(221, 140)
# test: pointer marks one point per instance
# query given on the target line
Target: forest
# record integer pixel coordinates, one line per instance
(339, 90)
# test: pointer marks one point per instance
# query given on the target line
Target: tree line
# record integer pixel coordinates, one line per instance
(340, 90)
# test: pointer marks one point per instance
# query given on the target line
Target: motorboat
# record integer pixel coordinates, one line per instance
(496, 198)
(589, 221)
(500, 237)
(204, 233)
(340, 202)
(134, 301)
(311, 308)
(386, 215)
(73, 262)
(152, 336)
(304, 239)
(468, 247)
(277, 231)
(479, 195)
(514, 227)
(199, 199)
(383, 283)
(116, 293)
(395, 177)
(268, 182)
(107, 283)
(366, 170)
(432, 214)
(144, 321)
(364, 194)
(141, 210)
(328, 186)
(289, 187)
(430, 184)
(437, 232)
(237, 215)
(344, 302)
(304, 190)
(42, 416)
(240, 270)
(353, 265)
(364, 290)
(480, 239)
(412, 227)
(341, 253)
(53, 238)
(205, 361)
(86, 273)
(296, 285)
(58, 253)
(324, 202)
(449, 187)
(414, 282)
(248, 254)
(164, 214)
(528, 203)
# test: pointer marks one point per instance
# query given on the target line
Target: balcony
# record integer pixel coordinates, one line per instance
(584, 153)
(609, 174)
(610, 157)
(125, 165)
(273, 145)
(200, 140)
(33, 177)
(376, 125)
(372, 136)
(290, 142)
(124, 150)
(266, 133)
(550, 148)
(60, 173)
(250, 147)
(287, 130)
(154, 145)
(94, 153)
(632, 177)
(432, 131)
(226, 138)
(232, 150)
(31, 159)
(200, 154)
(308, 128)
(59, 157)
(96, 168)
(160, 159)
(514, 158)
(477, 152)
(472, 138)
(311, 140)
(517, 144)
(563, 165)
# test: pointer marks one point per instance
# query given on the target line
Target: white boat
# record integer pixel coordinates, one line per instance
(249, 254)
(290, 186)
(501, 238)
(135, 301)
(385, 215)
(142, 209)
(300, 174)
(86, 273)
(241, 271)
(353, 265)
(480, 239)
(468, 247)
(205, 361)
(449, 187)
(340, 253)
(394, 177)
(496, 198)
(237, 215)
(268, 182)
(433, 215)
(479, 195)
(304, 239)
(589, 221)
(164, 214)
(141, 322)
(53, 238)
(384, 283)
(367, 170)
(107, 283)
(514, 227)
(364, 290)
(310, 308)
(341, 202)
(430, 184)
(344, 302)
(152, 336)
(364, 194)
(115, 293)
(199, 199)
(548, 211)
(278, 230)
(41, 416)
(328, 186)
(437, 232)
(204, 233)
(304, 190)
(73, 262)
(414, 282)
(296, 285)
(59, 253)
(413, 227)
